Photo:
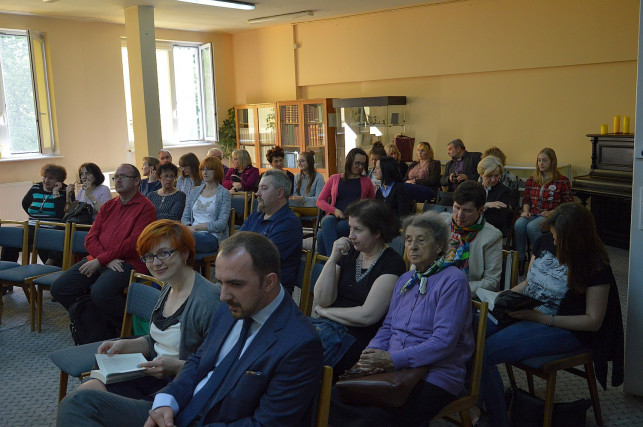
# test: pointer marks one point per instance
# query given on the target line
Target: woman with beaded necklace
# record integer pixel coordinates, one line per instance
(354, 288)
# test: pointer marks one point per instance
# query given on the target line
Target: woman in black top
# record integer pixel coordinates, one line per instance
(391, 190)
(497, 209)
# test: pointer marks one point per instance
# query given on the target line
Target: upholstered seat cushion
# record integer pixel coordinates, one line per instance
(538, 362)
(76, 360)
(19, 274)
(49, 279)
(5, 265)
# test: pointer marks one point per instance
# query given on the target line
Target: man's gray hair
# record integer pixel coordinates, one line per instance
(457, 143)
(280, 180)
(433, 224)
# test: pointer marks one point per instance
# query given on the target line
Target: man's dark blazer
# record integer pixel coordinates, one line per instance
(470, 168)
(273, 383)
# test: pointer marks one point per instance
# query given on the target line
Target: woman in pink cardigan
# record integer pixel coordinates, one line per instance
(342, 190)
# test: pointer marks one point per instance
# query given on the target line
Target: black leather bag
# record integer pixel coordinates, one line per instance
(386, 390)
(526, 410)
(79, 213)
(87, 323)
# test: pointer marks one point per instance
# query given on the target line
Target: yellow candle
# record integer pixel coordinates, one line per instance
(626, 124)
(617, 124)
(603, 129)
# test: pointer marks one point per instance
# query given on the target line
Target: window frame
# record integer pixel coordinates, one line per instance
(39, 73)
(174, 141)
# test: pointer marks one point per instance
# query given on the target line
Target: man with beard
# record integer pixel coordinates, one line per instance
(275, 220)
(462, 166)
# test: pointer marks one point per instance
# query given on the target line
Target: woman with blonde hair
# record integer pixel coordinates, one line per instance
(545, 190)
(393, 151)
(242, 176)
(423, 177)
(498, 205)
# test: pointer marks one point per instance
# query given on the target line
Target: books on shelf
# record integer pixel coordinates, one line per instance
(115, 368)
(503, 303)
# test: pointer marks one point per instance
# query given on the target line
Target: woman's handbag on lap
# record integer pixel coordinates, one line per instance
(386, 390)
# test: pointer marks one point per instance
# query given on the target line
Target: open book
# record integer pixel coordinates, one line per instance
(501, 303)
(118, 367)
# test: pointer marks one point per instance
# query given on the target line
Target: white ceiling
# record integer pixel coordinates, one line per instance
(186, 16)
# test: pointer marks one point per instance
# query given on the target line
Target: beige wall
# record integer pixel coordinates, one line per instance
(514, 73)
(89, 101)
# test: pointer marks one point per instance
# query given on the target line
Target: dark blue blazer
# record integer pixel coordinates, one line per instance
(273, 383)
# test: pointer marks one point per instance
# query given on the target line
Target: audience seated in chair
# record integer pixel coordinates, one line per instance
(423, 177)
(275, 220)
(461, 167)
(475, 246)
(268, 358)
(393, 192)
(498, 210)
(377, 151)
(428, 323)
(308, 183)
(91, 191)
(46, 201)
(216, 152)
(342, 189)
(207, 208)
(168, 201)
(111, 244)
(149, 169)
(189, 176)
(181, 317)
(570, 273)
(164, 157)
(354, 288)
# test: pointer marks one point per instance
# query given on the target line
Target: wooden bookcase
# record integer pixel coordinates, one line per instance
(308, 125)
(256, 131)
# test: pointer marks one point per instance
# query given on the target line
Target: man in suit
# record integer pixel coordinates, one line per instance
(463, 165)
(260, 364)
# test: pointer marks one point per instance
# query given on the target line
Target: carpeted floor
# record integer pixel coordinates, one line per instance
(29, 380)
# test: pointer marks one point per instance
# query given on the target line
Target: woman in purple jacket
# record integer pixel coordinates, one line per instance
(428, 323)
(242, 176)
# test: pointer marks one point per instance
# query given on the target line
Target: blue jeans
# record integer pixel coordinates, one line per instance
(332, 228)
(205, 242)
(519, 341)
(527, 227)
(419, 193)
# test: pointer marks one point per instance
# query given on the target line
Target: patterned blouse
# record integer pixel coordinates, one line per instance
(548, 196)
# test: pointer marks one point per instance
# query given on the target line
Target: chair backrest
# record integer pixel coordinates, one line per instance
(51, 236)
(478, 353)
(323, 404)
(15, 234)
(141, 299)
(316, 269)
(240, 203)
(303, 280)
(77, 241)
(231, 221)
(509, 277)
(419, 207)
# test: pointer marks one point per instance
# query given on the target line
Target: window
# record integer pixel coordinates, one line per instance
(186, 93)
(25, 109)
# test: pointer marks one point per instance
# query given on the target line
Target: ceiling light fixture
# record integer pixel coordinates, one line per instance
(223, 3)
(285, 15)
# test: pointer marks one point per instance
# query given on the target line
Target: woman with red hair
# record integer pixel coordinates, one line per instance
(181, 317)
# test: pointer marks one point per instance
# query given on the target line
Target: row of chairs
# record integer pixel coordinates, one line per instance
(32, 277)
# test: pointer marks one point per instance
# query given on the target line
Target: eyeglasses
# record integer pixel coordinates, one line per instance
(121, 177)
(160, 255)
(359, 164)
(300, 161)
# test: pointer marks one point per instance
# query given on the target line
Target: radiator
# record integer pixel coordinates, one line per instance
(11, 195)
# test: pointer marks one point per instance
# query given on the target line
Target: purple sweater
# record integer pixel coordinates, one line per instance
(434, 329)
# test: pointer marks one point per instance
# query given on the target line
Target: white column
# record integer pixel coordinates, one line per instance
(141, 54)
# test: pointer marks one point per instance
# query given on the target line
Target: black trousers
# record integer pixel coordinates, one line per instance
(105, 288)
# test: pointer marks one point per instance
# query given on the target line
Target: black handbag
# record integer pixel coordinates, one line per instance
(79, 213)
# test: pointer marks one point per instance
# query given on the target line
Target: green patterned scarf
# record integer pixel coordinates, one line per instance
(458, 253)
(423, 277)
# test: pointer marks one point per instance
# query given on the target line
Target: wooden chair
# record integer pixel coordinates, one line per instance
(207, 259)
(79, 360)
(303, 278)
(240, 202)
(316, 266)
(547, 367)
(419, 207)
(75, 249)
(48, 236)
(323, 404)
(13, 234)
(509, 277)
(308, 216)
(463, 404)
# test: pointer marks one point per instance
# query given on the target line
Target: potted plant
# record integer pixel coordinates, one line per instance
(228, 134)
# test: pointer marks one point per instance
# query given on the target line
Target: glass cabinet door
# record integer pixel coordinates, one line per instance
(267, 133)
(315, 137)
(246, 126)
(290, 138)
